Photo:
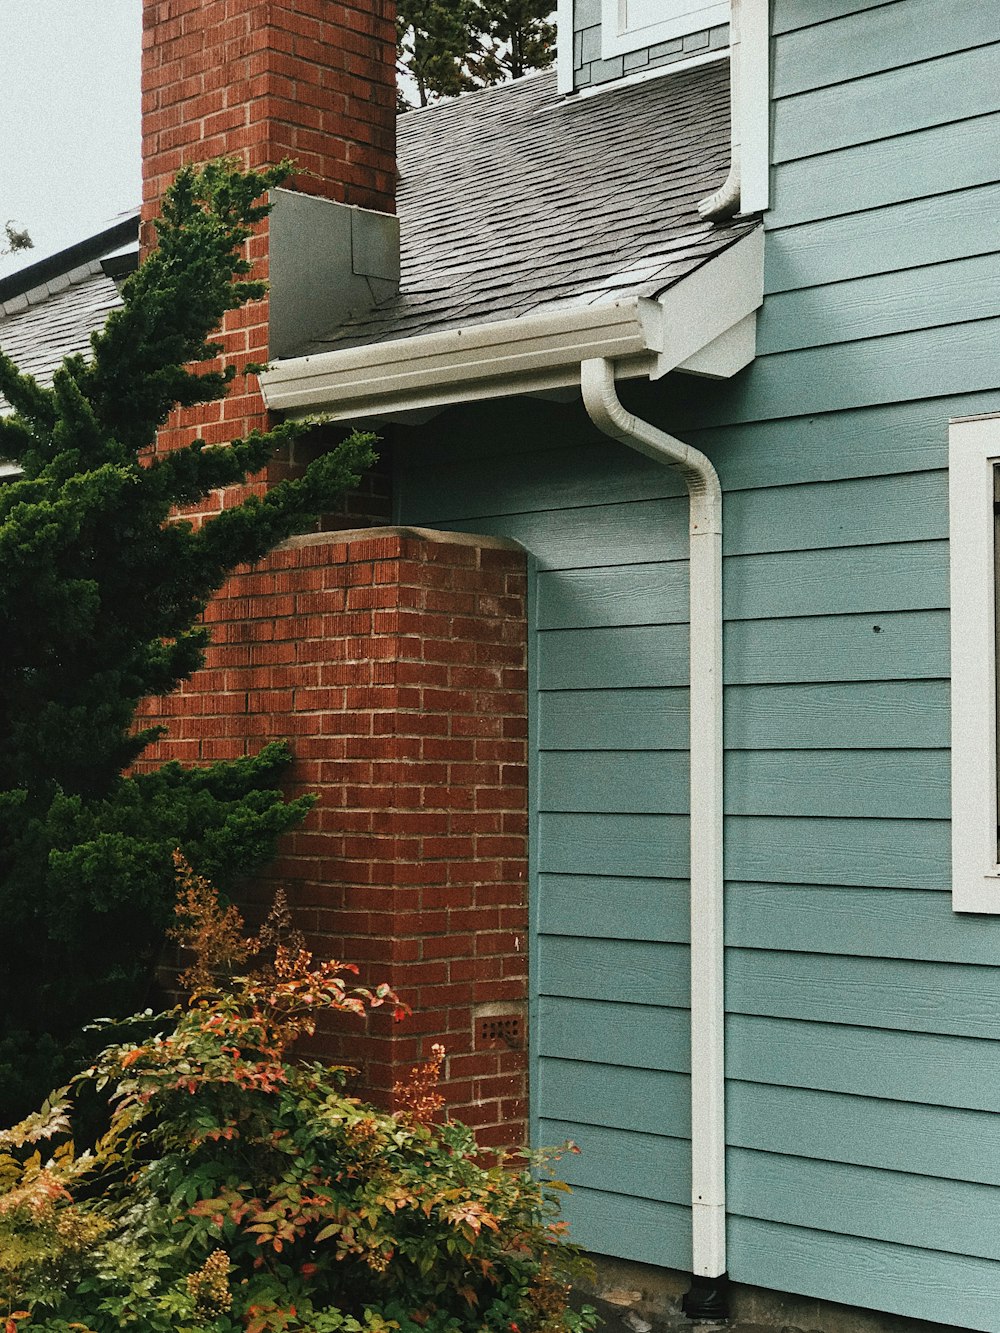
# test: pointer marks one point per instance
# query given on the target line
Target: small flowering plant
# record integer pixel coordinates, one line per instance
(237, 1191)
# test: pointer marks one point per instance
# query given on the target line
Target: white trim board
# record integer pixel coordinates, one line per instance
(754, 110)
(973, 454)
(564, 45)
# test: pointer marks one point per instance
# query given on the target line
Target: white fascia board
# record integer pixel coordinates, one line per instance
(705, 305)
(533, 354)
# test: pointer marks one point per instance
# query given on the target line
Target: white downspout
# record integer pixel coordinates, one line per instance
(708, 1137)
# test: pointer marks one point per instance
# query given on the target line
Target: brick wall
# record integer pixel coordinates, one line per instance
(265, 80)
(394, 662)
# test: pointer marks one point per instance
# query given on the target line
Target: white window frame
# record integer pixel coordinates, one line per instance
(973, 456)
(622, 33)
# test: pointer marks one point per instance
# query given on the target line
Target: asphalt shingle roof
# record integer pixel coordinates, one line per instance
(38, 335)
(512, 201)
(519, 200)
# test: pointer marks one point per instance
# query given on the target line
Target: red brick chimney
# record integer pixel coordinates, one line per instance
(265, 80)
(394, 659)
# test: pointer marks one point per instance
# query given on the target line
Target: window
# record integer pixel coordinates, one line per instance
(974, 502)
(631, 25)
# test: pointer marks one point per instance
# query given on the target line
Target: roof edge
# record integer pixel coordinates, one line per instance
(536, 353)
(74, 256)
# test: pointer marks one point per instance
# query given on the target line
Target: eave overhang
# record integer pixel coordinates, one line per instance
(704, 324)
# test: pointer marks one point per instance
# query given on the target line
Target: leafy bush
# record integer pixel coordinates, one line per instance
(237, 1190)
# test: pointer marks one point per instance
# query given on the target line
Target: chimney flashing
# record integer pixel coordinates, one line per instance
(329, 262)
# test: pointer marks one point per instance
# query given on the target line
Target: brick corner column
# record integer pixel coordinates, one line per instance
(394, 660)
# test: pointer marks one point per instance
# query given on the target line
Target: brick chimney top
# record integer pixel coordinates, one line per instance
(262, 81)
(269, 79)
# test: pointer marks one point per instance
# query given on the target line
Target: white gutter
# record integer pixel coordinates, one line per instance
(704, 323)
(708, 1135)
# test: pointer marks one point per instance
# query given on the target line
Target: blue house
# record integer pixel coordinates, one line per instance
(862, 1000)
(709, 322)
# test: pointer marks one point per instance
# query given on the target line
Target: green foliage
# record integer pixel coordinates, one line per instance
(453, 46)
(515, 37)
(433, 38)
(14, 239)
(235, 1190)
(99, 605)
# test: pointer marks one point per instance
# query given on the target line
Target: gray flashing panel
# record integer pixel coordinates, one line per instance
(329, 263)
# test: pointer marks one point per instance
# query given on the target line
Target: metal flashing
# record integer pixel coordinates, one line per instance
(329, 263)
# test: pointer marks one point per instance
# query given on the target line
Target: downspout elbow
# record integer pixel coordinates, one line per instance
(605, 409)
(726, 201)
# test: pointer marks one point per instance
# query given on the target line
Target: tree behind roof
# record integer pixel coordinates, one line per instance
(98, 608)
(447, 47)
(14, 239)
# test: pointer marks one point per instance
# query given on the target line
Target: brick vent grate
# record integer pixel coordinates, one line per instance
(506, 1028)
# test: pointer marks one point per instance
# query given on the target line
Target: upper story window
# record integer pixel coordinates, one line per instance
(631, 25)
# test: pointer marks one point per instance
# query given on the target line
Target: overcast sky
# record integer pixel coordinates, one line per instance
(69, 118)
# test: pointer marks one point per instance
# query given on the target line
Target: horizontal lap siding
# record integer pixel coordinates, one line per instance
(863, 1058)
(608, 534)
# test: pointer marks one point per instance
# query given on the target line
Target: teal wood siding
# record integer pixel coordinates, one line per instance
(863, 1029)
(608, 536)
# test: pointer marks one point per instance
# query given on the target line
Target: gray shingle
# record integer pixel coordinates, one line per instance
(512, 201)
(517, 199)
(39, 336)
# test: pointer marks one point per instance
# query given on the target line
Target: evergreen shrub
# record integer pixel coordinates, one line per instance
(100, 598)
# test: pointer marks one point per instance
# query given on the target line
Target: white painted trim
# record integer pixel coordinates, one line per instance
(755, 106)
(564, 46)
(724, 356)
(532, 354)
(708, 1081)
(619, 36)
(973, 451)
(726, 199)
(704, 305)
(746, 187)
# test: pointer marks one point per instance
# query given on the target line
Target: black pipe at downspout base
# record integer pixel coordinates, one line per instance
(707, 1299)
